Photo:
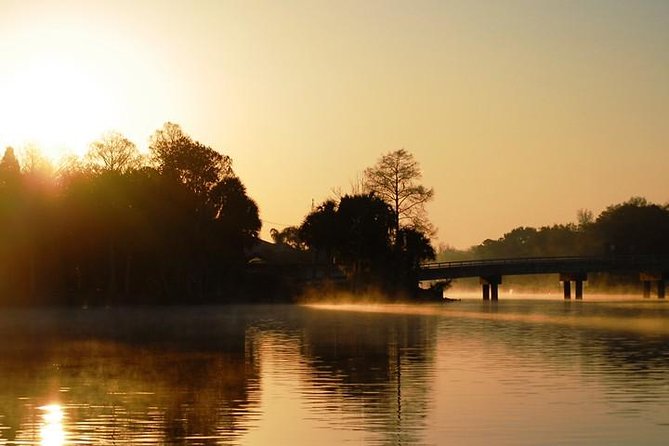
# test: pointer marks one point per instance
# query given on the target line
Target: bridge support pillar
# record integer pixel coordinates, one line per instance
(578, 279)
(646, 289)
(567, 289)
(490, 287)
(649, 277)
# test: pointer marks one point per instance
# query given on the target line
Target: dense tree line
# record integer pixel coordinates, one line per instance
(635, 227)
(120, 227)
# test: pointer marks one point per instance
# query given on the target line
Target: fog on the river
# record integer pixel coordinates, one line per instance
(471, 372)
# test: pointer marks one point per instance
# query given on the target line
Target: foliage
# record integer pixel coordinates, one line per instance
(320, 231)
(635, 227)
(10, 171)
(289, 236)
(357, 233)
(394, 179)
(234, 212)
(548, 241)
(113, 230)
(115, 153)
(193, 164)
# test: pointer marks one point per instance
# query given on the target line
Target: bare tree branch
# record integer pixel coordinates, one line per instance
(394, 179)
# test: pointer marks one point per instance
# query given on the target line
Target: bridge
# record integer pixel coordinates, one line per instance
(651, 269)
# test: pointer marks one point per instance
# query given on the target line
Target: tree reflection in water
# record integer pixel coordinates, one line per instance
(383, 364)
(127, 376)
(282, 374)
(194, 374)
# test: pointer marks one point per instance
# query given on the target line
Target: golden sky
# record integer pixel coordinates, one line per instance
(520, 112)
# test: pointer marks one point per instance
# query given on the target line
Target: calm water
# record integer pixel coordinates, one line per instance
(515, 372)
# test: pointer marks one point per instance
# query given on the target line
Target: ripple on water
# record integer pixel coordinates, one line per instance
(517, 372)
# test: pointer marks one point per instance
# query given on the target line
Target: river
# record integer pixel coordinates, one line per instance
(517, 371)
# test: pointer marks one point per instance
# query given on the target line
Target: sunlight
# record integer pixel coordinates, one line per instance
(641, 325)
(54, 103)
(52, 432)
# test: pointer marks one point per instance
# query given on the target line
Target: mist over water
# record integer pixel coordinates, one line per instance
(518, 371)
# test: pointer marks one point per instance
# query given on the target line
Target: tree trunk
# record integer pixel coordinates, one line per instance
(126, 279)
(111, 287)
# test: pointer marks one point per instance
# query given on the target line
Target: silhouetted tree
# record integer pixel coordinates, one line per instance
(394, 179)
(366, 223)
(633, 227)
(12, 226)
(115, 153)
(34, 164)
(548, 241)
(411, 249)
(10, 171)
(320, 231)
(195, 165)
(584, 218)
(289, 236)
(415, 246)
(235, 214)
(356, 233)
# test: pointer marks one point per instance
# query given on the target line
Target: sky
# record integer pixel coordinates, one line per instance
(520, 113)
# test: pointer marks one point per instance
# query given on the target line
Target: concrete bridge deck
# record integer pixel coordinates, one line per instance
(571, 269)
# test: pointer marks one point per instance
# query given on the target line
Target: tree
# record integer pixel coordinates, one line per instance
(34, 163)
(320, 230)
(366, 222)
(394, 179)
(236, 213)
(356, 233)
(10, 171)
(114, 153)
(193, 164)
(412, 248)
(635, 227)
(13, 225)
(415, 248)
(289, 236)
(584, 218)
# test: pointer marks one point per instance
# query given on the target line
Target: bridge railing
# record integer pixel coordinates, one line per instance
(643, 260)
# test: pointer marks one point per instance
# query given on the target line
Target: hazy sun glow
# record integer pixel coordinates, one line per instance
(64, 83)
(55, 105)
(52, 432)
(507, 106)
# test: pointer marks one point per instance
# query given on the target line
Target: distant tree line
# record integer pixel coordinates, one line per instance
(119, 227)
(635, 227)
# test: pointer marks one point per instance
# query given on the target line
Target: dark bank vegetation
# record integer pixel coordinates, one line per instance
(177, 226)
(373, 239)
(117, 227)
(633, 228)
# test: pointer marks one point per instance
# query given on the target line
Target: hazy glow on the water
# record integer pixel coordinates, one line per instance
(515, 372)
(648, 325)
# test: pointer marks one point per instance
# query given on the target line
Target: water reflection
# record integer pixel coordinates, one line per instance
(375, 365)
(471, 373)
(52, 432)
(146, 379)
